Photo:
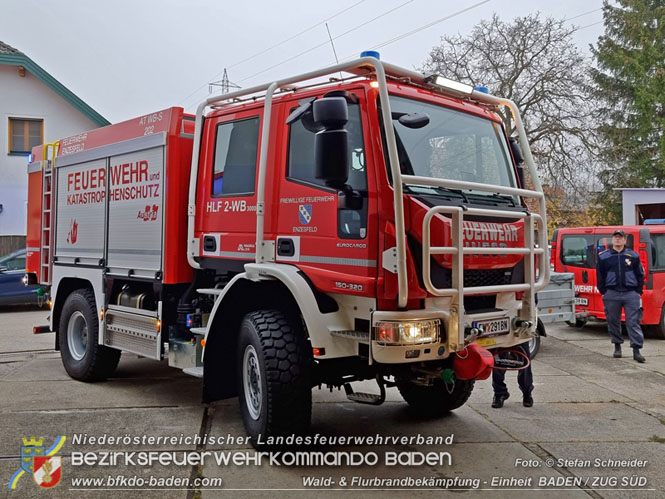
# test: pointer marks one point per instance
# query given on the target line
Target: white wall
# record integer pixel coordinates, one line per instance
(634, 197)
(28, 97)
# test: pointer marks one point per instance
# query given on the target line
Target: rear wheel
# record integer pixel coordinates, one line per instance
(82, 355)
(274, 375)
(534, 343)
(438, 398)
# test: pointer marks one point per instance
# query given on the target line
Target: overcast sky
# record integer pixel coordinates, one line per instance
(127, 58)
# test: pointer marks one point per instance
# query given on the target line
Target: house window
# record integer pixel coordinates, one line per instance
(24, 134)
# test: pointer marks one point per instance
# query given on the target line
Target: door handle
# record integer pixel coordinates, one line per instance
(209, 244)
(585, 276)
(285, 247)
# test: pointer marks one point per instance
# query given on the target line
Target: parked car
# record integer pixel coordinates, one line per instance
(12, 289)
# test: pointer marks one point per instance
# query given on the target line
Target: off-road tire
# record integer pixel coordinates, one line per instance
(96, 361)
(434, 400)
(275, 343)
(534, 343)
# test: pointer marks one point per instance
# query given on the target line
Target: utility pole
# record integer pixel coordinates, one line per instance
(224, 83)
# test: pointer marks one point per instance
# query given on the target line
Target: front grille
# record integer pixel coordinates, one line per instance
(487, 277)
(442, 278)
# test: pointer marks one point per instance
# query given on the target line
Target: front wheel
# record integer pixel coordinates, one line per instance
(82, 355)
(274, 375)
(438, 398)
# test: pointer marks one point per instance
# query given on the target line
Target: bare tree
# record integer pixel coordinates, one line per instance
(533, 62)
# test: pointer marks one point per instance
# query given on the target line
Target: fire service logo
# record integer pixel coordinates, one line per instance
(305, 213)
(72, 235)
(150, 213)
(43, 464)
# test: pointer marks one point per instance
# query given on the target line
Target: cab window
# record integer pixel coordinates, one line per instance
(658, 251)
(301, 152)
(236, 147)
(604, 242)
(577, 250)
(351, 223)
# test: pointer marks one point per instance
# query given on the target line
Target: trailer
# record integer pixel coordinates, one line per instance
(556, 303)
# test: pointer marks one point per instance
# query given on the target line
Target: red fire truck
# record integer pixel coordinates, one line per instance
(296, 234)
(576, 250)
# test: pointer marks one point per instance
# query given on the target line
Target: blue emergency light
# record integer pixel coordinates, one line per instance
(370, 53)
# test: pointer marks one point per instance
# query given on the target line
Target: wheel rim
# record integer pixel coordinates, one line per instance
(251, 376)
(532, 346)
(77, 335)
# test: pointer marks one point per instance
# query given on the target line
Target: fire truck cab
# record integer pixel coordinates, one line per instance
(296, 234)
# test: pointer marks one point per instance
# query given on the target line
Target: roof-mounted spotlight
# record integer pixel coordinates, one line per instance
(449, 85)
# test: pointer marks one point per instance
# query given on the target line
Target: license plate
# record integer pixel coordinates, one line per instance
(486, 342)
(581, 301)
(493, 327)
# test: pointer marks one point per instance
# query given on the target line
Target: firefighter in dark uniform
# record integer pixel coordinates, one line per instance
(524, 381)
(620, 278)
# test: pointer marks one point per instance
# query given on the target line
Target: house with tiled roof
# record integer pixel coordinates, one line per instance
(34, 108)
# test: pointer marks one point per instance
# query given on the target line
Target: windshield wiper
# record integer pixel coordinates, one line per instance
(438, 190)
(499, 198)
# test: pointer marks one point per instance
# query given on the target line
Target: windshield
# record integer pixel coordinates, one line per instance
(453, 145)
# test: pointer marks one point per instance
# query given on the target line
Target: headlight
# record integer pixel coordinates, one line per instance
(407, 333)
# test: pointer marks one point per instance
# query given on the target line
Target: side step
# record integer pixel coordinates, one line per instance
(133, 332)
(361, 336)
(366, 398)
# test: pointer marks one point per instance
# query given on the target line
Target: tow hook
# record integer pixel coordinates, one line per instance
(521, 326)
(471, 333)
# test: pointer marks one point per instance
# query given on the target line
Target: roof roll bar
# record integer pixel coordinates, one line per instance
(359, 67)
(265, 249)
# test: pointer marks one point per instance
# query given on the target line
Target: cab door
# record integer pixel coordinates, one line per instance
(333, 240)
(227, 213)
(654, 293)
(577, 255)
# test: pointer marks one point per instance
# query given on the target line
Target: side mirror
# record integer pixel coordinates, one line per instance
(515, 148)
(3, 268)
(412, 120)
(519, 159)
(331, 145)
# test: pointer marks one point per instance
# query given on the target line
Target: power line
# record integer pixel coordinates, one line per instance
(425, 26)
(274, 46)
(331, 43)
(584, 14)
(588, 26)
(326, 42)
(429, 25)
(325, 21)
